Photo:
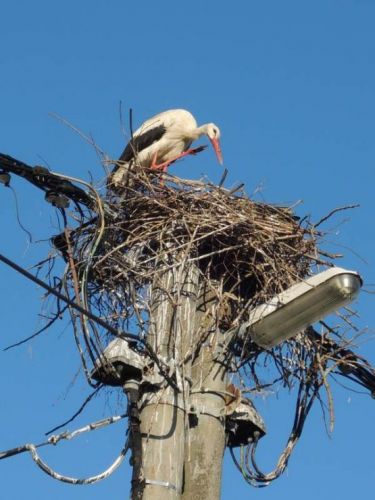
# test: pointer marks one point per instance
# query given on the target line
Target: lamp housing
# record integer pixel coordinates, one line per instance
(301, 305)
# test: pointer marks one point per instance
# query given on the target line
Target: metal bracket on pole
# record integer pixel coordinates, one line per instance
(164, 484)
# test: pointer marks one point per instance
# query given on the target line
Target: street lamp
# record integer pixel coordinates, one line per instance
(301, 305)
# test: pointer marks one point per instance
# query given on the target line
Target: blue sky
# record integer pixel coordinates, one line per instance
(291, 85)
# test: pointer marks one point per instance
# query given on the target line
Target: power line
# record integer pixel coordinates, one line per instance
(68, 301)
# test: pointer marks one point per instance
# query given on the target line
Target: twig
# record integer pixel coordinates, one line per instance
(335, 210)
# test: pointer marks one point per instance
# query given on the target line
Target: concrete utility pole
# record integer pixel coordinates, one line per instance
(183, 432)
(205, 439)
(163, 409)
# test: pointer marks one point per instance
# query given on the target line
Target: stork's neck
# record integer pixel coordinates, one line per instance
(199, 131)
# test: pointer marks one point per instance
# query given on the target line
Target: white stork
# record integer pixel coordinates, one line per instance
(163, 139)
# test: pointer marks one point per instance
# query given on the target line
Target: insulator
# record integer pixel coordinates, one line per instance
(40, 173)
(38, 169)
(118, 364)
(57, 200)
(4, 178)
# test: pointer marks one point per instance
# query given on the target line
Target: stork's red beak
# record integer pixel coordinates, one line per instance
(216, 145)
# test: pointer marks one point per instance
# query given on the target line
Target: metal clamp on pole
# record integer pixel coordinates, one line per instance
(164, 484)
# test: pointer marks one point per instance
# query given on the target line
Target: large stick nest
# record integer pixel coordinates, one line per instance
(245, 251)
(251, 250)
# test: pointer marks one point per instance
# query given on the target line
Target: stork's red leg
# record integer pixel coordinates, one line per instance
(164, 166)
(154, 165)
(161, 166)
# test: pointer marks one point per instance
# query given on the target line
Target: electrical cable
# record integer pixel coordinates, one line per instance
(31, 448)
(64, 298)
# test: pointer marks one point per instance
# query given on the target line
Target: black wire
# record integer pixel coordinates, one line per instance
(29, 235)
(41, 330)
(65, 299)
(81, 408)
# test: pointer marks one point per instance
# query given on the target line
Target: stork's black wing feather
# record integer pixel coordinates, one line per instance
(142, 141)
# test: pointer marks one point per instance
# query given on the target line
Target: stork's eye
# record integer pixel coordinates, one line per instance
(214, 131)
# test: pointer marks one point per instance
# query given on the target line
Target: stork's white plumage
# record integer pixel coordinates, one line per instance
(163, 139)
